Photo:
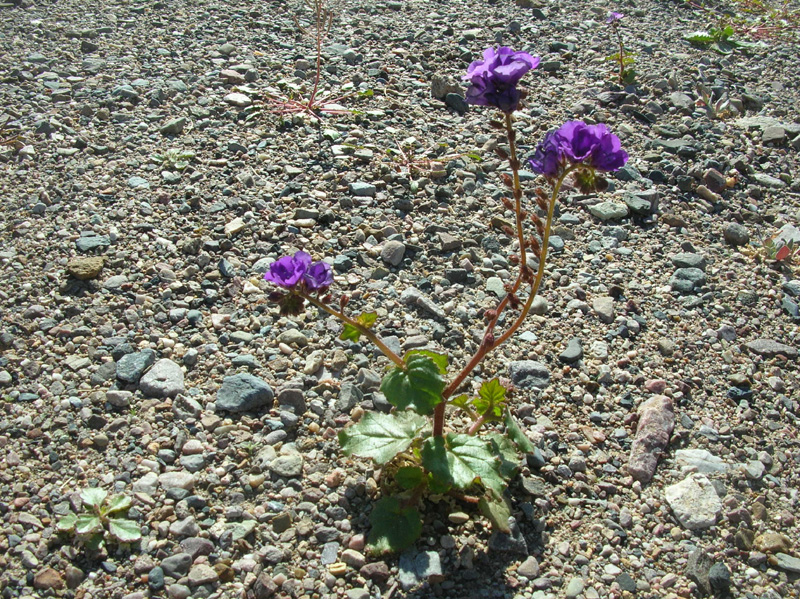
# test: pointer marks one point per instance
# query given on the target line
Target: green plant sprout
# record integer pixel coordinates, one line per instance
(103, 521)
(715, 109)
(174, 159)
(720, 39)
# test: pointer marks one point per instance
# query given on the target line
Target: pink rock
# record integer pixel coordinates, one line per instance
(656, 422)
(656, 386)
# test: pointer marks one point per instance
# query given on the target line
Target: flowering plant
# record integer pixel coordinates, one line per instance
(622, 57)
(411, 444)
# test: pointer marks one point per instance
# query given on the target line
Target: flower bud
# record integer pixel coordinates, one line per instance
(513, 300)
(488, 341)
(508, 180)
(507, 203)
(490, 315)
(343, 301)
(508, 230)
(513, 259)
(501, 153)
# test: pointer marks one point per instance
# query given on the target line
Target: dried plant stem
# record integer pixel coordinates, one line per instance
(357, 325)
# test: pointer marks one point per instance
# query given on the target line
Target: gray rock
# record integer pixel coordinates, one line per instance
(392, 252)
(513, 542)
(137, 182)
(174, 126)
(362, 189)
(788, 233)
(656, 423)
(186, 527)
(681, 101)
(573, 351)
(177, 565)
(637, 204)
(497, 286)
(694, 501)
(238, 99)
(529, 373)
(349, 397)
(686, 280)
(294, 398)
(769, 348)
(736, 235)
(689, 260)
(787, 562)
(414, 297)
(244, 392)
(609, 210)
(441, 85)
(774, 134)
(131, 367)
(698, 567)
(87, 243)
(701, 460)
(719, 577)
(574, 587)
(164, 379)
(457, 103)
(287, 466)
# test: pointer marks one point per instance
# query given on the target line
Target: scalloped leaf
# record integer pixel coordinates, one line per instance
(419, 385)
(365, 319)
(67, 523)
(439, 359)
(86, 524)
(409, 477)
(381, 436)
(125, 531)
(491, 397)
(497, 510)
(118, 503)
(394, 527)
(462, 461)
(93, 497)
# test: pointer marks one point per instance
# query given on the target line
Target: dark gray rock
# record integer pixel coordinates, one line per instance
(89, 242)
(769, 348)
(573, 351)
(529, 373)
(686, 280)
(719, 577)
(457, 103)
(349, 397)
(244, 392)
(736, 235)
(177, 565)
(131, 367)
(697, 570)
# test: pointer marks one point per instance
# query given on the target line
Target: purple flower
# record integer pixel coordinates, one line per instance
(289, 270)
(613, 17)
(576, 142)
(493, 80)
(319, 275)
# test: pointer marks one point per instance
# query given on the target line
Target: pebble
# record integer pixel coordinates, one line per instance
(694, 501)
(244, 392)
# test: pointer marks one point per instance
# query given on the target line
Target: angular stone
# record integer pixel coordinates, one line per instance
(529, 568)
(701, 460)
(694, 502)
(164, 379)
(202, 574)
(656, 422)
(48, 579)
(604, 308)
(174, 126)
(788, 563)
(769, 348)
(244, 392)
(393, 252)
(176, 565)
(697, 569)
(686, 280)
(238, 99)
(609, 210)
(573, 352)
(130, 367)
(772, 542)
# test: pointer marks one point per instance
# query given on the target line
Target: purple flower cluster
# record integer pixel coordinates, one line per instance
(291, 271)
(575, 142)
(493, 80)
(613, 17)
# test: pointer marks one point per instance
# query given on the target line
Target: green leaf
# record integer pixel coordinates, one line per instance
(394, 527)
(506, 453)
(419, 385)
(409, 477)
(722, 47)
(700, 37)
(94, 542)
(86, 524)
(125, 531)
(516, 434)
(726, 33)
(489, 402)
(365, 319)
(497, 510)
(462, 403)
(381, 436)
(117, 503)
(462, 461)
(439, 359)
(67, 523)
(436, 486)
(93, 497)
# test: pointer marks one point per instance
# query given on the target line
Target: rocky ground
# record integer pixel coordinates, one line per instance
(139, 353)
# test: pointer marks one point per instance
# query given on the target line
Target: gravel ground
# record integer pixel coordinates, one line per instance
(139, 353)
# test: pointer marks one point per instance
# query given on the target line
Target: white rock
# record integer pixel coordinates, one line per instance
(701, 460)
(694, 502)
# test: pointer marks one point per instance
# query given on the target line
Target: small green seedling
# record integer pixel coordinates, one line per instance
(174, 159)
(104, 520)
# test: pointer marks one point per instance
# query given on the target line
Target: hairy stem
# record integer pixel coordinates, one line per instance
(357, 325)
(487, 344)
(621, 55)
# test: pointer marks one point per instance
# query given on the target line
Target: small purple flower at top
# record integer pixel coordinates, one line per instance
(289, 270)
(575, 142)
(319, 276)
(493, 80)
(613, 17)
